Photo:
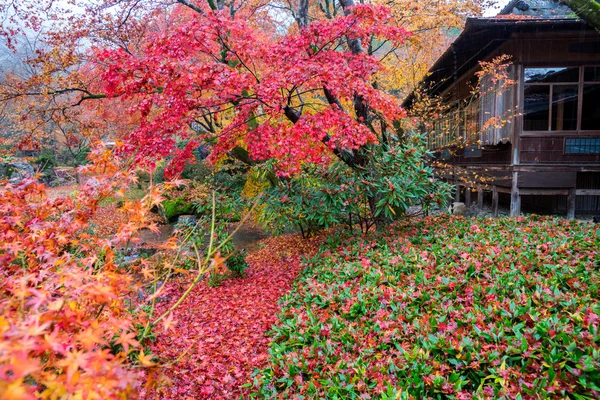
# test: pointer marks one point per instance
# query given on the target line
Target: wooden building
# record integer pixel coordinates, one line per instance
(547, 156)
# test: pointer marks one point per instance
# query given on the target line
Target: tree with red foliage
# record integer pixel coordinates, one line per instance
(296, 98)
(224, 73)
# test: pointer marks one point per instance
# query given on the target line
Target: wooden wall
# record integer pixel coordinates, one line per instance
(550, 150)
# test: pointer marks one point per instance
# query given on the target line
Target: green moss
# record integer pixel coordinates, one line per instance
(174, 208)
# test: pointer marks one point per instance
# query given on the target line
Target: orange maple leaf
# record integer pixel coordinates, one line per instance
(145, 360)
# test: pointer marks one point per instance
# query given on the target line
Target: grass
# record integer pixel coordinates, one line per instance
(444, 308)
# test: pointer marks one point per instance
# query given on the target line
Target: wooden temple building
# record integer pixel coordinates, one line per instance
(546, 158)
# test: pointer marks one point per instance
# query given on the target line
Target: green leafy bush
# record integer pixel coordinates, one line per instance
(236, 263)
(397, 177)
(444, 308)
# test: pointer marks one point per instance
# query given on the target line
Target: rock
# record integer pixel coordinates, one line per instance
(187, 219)
(147, 251)
(130, 259)
(458, 208)
(170, 209)
(16, 171)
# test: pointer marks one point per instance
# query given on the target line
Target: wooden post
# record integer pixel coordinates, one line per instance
(515, 196)
(494, 201)
(457, 194)
(467, 196)
(571, 197)
(480, 198)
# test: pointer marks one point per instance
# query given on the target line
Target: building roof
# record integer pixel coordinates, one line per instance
(479, 38)
(537, 8)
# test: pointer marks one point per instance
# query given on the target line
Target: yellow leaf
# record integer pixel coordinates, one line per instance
(145, 360)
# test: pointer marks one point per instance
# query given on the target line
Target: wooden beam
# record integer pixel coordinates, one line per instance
(543, 192)
(571, 204)
(515, 196)
(480, 198)
(494, 201)
(580, 167)
(468, 197)
(560, 134)
(558, 168)
(587, 192)
(457, 194)
(502, 189)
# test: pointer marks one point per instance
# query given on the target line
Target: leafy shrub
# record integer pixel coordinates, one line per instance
(81, 158)
(445, 308)
(397, 178)
(158, 175)
(46, 161)
(236, 263)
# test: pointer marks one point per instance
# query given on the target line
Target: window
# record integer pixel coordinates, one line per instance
(582, 146)
(564, 107)
(561, 99)
(590, 108)
(458, 126)
(536, 108)
(547, 75)
(497, 108)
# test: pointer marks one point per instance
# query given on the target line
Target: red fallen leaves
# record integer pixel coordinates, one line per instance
(220, 335)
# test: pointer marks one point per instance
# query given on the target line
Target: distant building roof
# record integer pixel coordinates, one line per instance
(538, 8)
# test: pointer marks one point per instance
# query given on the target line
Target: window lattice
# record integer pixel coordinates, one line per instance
(582, 146)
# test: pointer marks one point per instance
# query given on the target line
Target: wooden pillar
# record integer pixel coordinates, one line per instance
(515, 196)
(457, 194)
(494, 201)
(467, 196)
(571, 197)
(480, 198)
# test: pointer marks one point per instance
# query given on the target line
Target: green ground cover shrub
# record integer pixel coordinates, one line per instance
(444, 308)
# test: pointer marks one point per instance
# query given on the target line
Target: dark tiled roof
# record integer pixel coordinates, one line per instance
(479, 38)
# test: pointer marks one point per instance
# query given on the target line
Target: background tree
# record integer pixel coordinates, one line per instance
(589, 10)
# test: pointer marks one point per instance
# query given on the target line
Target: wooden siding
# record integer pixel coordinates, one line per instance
(550, 150)
(495, 155)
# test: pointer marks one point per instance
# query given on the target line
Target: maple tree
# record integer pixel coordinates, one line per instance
(64, 325)
(236, 77)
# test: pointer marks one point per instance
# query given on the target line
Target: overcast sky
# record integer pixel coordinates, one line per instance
(490, 12)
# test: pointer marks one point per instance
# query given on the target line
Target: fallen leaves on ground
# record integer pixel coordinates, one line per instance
(220, 333)
(108, 219)
(440, 307)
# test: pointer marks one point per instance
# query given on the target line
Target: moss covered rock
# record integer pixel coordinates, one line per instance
(171, 209)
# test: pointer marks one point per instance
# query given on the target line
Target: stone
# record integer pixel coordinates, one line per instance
(16, 171)
(147, 251)
(458, 208)
(187, 219)
(169, 210)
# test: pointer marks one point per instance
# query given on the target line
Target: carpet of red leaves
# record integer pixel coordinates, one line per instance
(221, 330)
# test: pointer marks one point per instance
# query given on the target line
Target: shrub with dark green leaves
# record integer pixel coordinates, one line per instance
(397, 177)
(444, 308)
(236, 263)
